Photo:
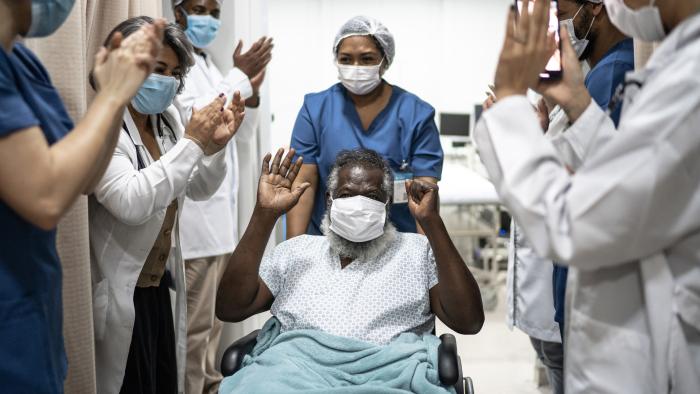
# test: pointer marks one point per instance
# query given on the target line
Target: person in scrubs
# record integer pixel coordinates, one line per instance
(46, 162)
(363, 111)
(627, 221)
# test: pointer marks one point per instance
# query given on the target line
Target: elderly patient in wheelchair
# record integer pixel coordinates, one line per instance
(354, 309)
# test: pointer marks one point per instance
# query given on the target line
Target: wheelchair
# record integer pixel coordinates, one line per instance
(449, 363)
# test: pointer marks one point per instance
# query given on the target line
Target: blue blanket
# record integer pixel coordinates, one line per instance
(311, 361)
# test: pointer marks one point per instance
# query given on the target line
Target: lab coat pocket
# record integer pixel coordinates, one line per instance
(100, 303)
(605, 358)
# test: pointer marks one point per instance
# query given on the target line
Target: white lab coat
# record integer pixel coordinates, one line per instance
(628, 222)
(529, 293)
(126, 213)
(210, 228)
(529, 289)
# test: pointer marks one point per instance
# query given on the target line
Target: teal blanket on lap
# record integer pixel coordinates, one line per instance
(310, 361)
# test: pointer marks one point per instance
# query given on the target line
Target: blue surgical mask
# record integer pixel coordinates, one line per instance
(48, 16)
(202, 29)
(156, 94)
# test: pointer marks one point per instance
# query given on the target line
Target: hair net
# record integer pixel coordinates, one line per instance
(366, 26)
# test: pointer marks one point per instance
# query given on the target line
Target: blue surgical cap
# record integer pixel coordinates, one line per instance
(366, 26)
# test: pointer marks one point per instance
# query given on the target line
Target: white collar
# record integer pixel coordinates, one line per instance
(133, 130)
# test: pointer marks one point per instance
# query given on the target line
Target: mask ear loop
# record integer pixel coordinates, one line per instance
(589, 27)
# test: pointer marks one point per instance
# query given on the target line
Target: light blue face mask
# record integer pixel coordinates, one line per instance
(155, 95)
(201, 29)
(48, 16)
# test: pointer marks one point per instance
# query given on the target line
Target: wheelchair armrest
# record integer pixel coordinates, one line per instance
(448, 360)
(468, 386)
(233, 356)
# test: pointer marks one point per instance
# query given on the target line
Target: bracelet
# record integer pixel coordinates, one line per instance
(196, 141)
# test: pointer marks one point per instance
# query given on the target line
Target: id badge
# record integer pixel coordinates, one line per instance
(400, 178)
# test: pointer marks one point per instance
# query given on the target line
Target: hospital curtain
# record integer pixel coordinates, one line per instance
(68, 56)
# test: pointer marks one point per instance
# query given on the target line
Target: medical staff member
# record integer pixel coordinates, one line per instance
(46, 162)
(606, 55)
(363, 111)
(610, 54)
(134, 243)
(627, 222)
(209, 229)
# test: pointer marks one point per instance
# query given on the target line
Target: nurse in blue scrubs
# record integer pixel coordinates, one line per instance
(46, 162)
(363, 111)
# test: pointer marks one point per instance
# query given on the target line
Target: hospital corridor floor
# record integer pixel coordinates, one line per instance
(498, 360)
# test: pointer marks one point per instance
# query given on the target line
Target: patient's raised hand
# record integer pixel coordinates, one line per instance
(423, 200)
(275, 194)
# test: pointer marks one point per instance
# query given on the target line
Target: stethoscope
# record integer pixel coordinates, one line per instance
(619, 96)
(160, 120)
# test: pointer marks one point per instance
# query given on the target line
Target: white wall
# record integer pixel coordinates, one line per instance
(446, 50)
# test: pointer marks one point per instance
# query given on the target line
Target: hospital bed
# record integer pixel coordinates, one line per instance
(478, 213)
(449, 362)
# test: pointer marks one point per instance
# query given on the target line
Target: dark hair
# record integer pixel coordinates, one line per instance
(376, 42)
(173, 36)
(365, 158)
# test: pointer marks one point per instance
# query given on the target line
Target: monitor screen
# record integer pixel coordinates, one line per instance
(454, 124)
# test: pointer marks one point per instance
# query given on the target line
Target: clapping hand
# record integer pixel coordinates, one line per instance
(254, 61)
(275, 194)
(527, 48)
(570, 92)
(233, 116)
(253, 64)
(204, 122)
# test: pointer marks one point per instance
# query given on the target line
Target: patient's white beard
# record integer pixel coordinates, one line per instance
(364, 251)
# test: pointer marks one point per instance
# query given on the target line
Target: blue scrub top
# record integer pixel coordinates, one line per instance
(404, 131)
(602, 82)
(32, 357)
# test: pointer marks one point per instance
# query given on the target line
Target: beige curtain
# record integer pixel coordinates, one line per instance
(68, 55)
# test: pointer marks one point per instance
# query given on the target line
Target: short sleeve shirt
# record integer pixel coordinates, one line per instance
(372, 301)
(403, 132)
(32, 357)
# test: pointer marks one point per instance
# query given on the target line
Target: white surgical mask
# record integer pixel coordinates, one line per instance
(644, 24)
(579, 44)
(360, 80)
(358, 219)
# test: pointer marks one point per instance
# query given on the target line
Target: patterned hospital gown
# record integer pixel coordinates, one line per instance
(373, 301)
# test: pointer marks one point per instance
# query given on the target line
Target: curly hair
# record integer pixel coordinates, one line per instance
(365, 158)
